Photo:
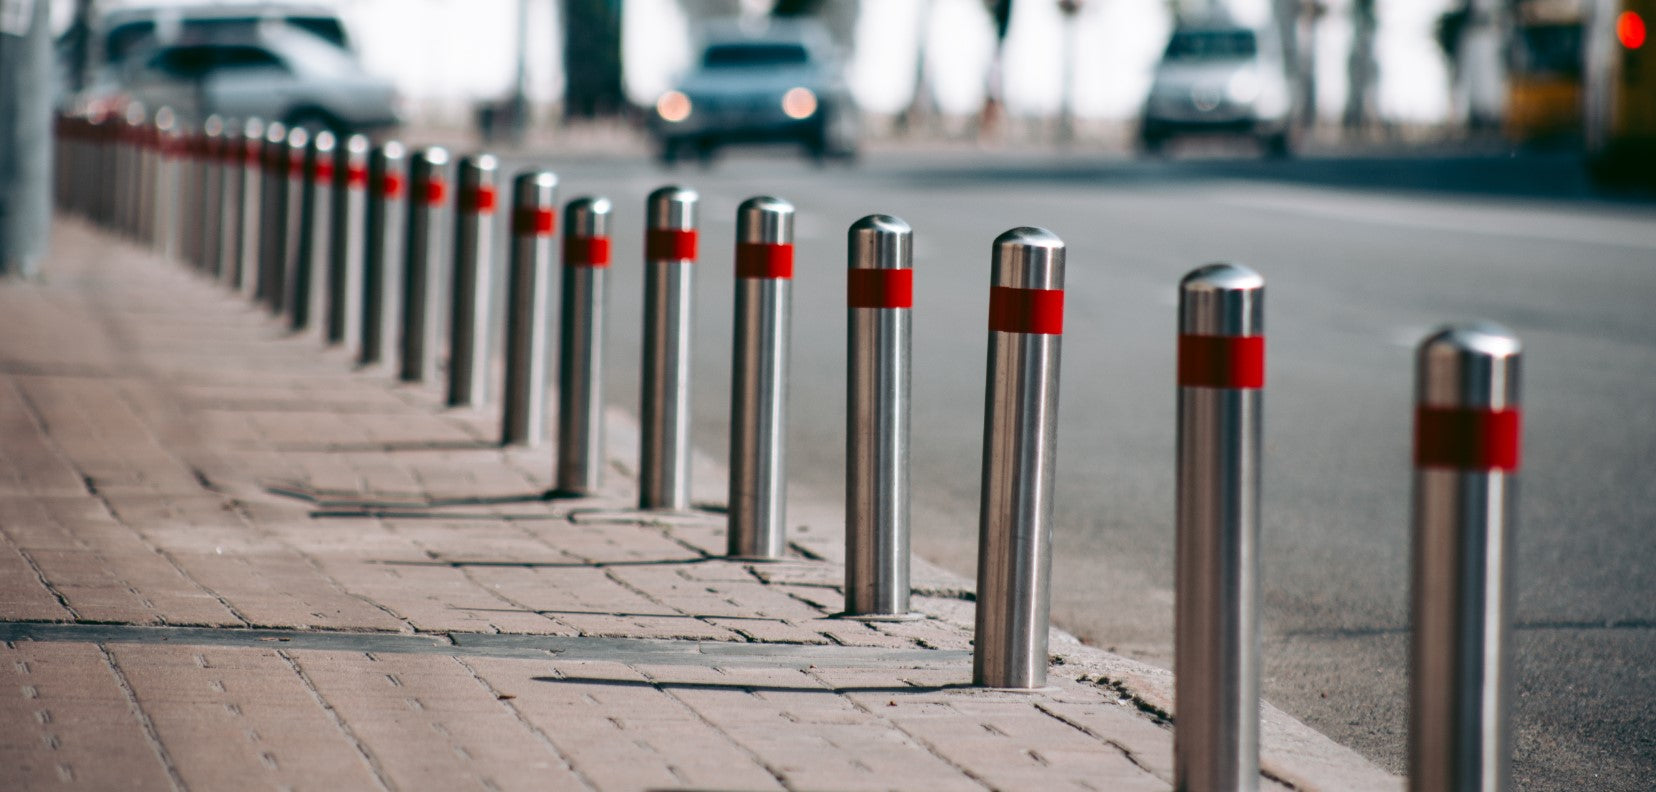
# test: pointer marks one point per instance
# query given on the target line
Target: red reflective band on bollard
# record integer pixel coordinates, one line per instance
(296, 166)
(1015, 310)
(764, 260)
(883, 288)
(534, 222)
(1222, 361)
(586, 252)
(665, 244)
(480, 200)
(435, 190)
(391, 186)
(323, 172)
(1467, 438)
(356, 177)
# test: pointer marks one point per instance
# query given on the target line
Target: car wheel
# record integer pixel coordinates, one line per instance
(669, 152)
(1278, 146)
(1153, 145)
(313, 121)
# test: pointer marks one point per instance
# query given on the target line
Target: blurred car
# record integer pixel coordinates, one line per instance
(125, 29)
(278, 73)
(1219, 78)
(781, 83)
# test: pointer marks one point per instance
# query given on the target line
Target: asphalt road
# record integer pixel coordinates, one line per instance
(1362, 256)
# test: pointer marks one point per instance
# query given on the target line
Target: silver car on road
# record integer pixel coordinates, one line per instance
(275, 72)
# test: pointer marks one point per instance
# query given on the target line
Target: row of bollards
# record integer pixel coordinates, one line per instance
(334, 230)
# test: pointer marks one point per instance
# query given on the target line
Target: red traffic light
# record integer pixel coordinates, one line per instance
(1630, 30)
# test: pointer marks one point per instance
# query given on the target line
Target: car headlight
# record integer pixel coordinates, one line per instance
(673, 107)
(799, 103)
(1243, 87)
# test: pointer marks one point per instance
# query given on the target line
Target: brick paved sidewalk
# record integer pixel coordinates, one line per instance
(229, 559)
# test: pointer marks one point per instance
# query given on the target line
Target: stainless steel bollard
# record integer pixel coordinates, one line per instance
(1020, 419)
(1221, 379)
(249, 245)
(1466, 455)
(229, 154)
(472, 291)
(172, 198)
(422, 250)
(273, 212)
(312, 253)
(534, 219)
(586, 256)
(294, 255)
(345, 248)
(879, 296)
(759, 379)
(382, 252)
(210, 186)
(669, 299)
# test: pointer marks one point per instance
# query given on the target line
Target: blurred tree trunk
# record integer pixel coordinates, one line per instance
(1361, 69)
(592, 59)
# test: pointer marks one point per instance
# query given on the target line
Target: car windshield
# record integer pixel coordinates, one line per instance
(725, 56)
(1211, 45)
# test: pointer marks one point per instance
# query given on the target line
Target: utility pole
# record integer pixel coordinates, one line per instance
(25, 135)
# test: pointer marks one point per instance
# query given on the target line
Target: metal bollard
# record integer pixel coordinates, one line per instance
(248, 242)
(586, 256)
(272, 210)
(210, 186)
(422, 248)
(382, 251)
(759, 379)
(229, 155)
(295, 256)
(472, 291)
(1221, 378)
(879, 296)
(534, 218)
(310, 259)
(669, 298)
(345, 249)
(171, 198)
(1020, 420)
(1466, 454)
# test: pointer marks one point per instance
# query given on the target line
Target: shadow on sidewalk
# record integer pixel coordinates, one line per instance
(639, 615)
(554, 564)
(752, 688)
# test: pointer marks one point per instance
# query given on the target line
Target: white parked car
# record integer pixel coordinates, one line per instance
(1220, 78)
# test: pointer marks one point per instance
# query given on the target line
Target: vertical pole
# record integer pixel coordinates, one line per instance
(295, 255)
(315, 180)
(472, 294)
(1466, 454)
(228, 156)
(272, 211)
(345, 251)
(422, 249)
(25, 137)
(1020, 420)
(172, 197)
(382, 252)
(586, 257)
(759, 379)
(1221, 379)
(879, 296)
(210, 177)
(669, 300)
(534, 218)
(249, 245)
